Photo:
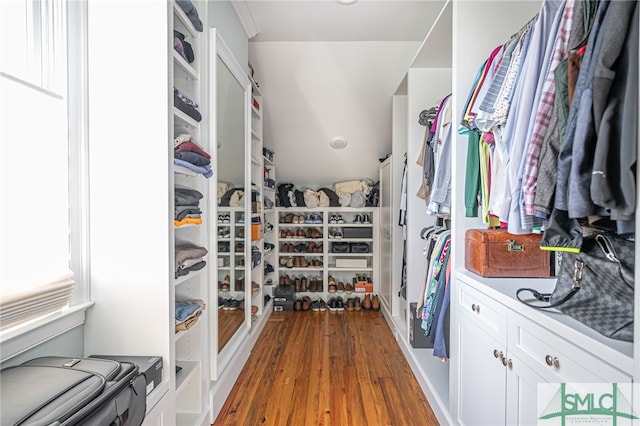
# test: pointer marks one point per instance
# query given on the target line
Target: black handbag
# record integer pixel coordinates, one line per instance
(595, 286)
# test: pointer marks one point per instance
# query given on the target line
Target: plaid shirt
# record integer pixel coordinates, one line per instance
(543, 115)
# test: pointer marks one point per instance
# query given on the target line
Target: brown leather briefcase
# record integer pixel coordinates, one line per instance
(494, 253)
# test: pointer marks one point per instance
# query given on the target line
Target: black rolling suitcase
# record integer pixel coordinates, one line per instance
(58, 391)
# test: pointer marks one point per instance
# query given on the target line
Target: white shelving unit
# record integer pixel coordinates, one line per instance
(133, 281)
(325, 252)
(189, 346)
(269, 218)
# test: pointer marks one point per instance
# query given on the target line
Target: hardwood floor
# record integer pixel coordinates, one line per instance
(326, 368)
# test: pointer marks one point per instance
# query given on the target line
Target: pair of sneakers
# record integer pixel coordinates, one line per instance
(313, 218)
(336, 304)
(224, 218)
(335, 233)
(362, 218)
(336, 219)
(318, 305)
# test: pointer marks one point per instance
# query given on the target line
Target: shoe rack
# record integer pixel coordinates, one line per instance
(231, 257)
(270, 277)
(325, 252)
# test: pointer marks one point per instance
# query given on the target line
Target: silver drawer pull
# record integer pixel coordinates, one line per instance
(497, 354)
(475, 308)
(552, 361)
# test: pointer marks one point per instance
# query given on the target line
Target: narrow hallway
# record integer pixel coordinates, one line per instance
(326, 368)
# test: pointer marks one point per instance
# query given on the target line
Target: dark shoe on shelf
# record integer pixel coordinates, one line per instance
(349, 305)
(323, 305)
(357, 304)
(333, 304)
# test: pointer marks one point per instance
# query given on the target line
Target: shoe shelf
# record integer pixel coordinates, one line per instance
(330, 225)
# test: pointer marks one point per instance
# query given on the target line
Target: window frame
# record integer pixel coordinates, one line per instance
(49, 36)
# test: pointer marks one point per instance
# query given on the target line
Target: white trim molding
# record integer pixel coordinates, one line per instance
(243, 10)
(19, 339)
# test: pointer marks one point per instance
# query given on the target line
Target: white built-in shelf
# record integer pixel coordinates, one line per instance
(188, 369)
(185, 66)
(183, 120)
(350, 240)
(179, 335)
(187, 277)
(254, 85)
(267, 162)
(350, 254)
(256, 112)
(185, 21)
(256, 137)
(335, 269)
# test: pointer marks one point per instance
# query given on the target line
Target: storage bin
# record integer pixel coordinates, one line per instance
(359, 232)
(359, 247)
(351, 262)
(361, 287)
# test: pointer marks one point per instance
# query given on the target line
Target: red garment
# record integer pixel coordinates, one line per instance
(190, 146)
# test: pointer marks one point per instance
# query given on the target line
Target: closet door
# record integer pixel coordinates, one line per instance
(481, 386)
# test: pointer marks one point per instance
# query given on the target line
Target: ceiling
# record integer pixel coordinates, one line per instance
(327, 20)
(330, 70)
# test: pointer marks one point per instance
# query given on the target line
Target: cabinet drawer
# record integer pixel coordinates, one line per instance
(546, 352)
(485, 311)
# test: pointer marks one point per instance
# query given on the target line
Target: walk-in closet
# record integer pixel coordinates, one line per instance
(326, 212)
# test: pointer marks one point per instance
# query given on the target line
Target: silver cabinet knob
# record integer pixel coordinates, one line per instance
(475, 308)
(497, 354)
(552, 361)
(507, 362)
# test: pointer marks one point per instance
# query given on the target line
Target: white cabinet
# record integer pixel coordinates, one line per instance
(503, 356)
(481, 398)
(481, 331)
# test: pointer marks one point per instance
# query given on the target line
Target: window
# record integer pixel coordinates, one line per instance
(42, 176)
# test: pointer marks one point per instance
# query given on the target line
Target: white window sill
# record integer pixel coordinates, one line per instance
(19, 339)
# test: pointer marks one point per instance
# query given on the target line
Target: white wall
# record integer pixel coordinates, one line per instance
(314, 91)
(222, 17)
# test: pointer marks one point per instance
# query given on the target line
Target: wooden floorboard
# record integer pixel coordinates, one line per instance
(326, 368)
